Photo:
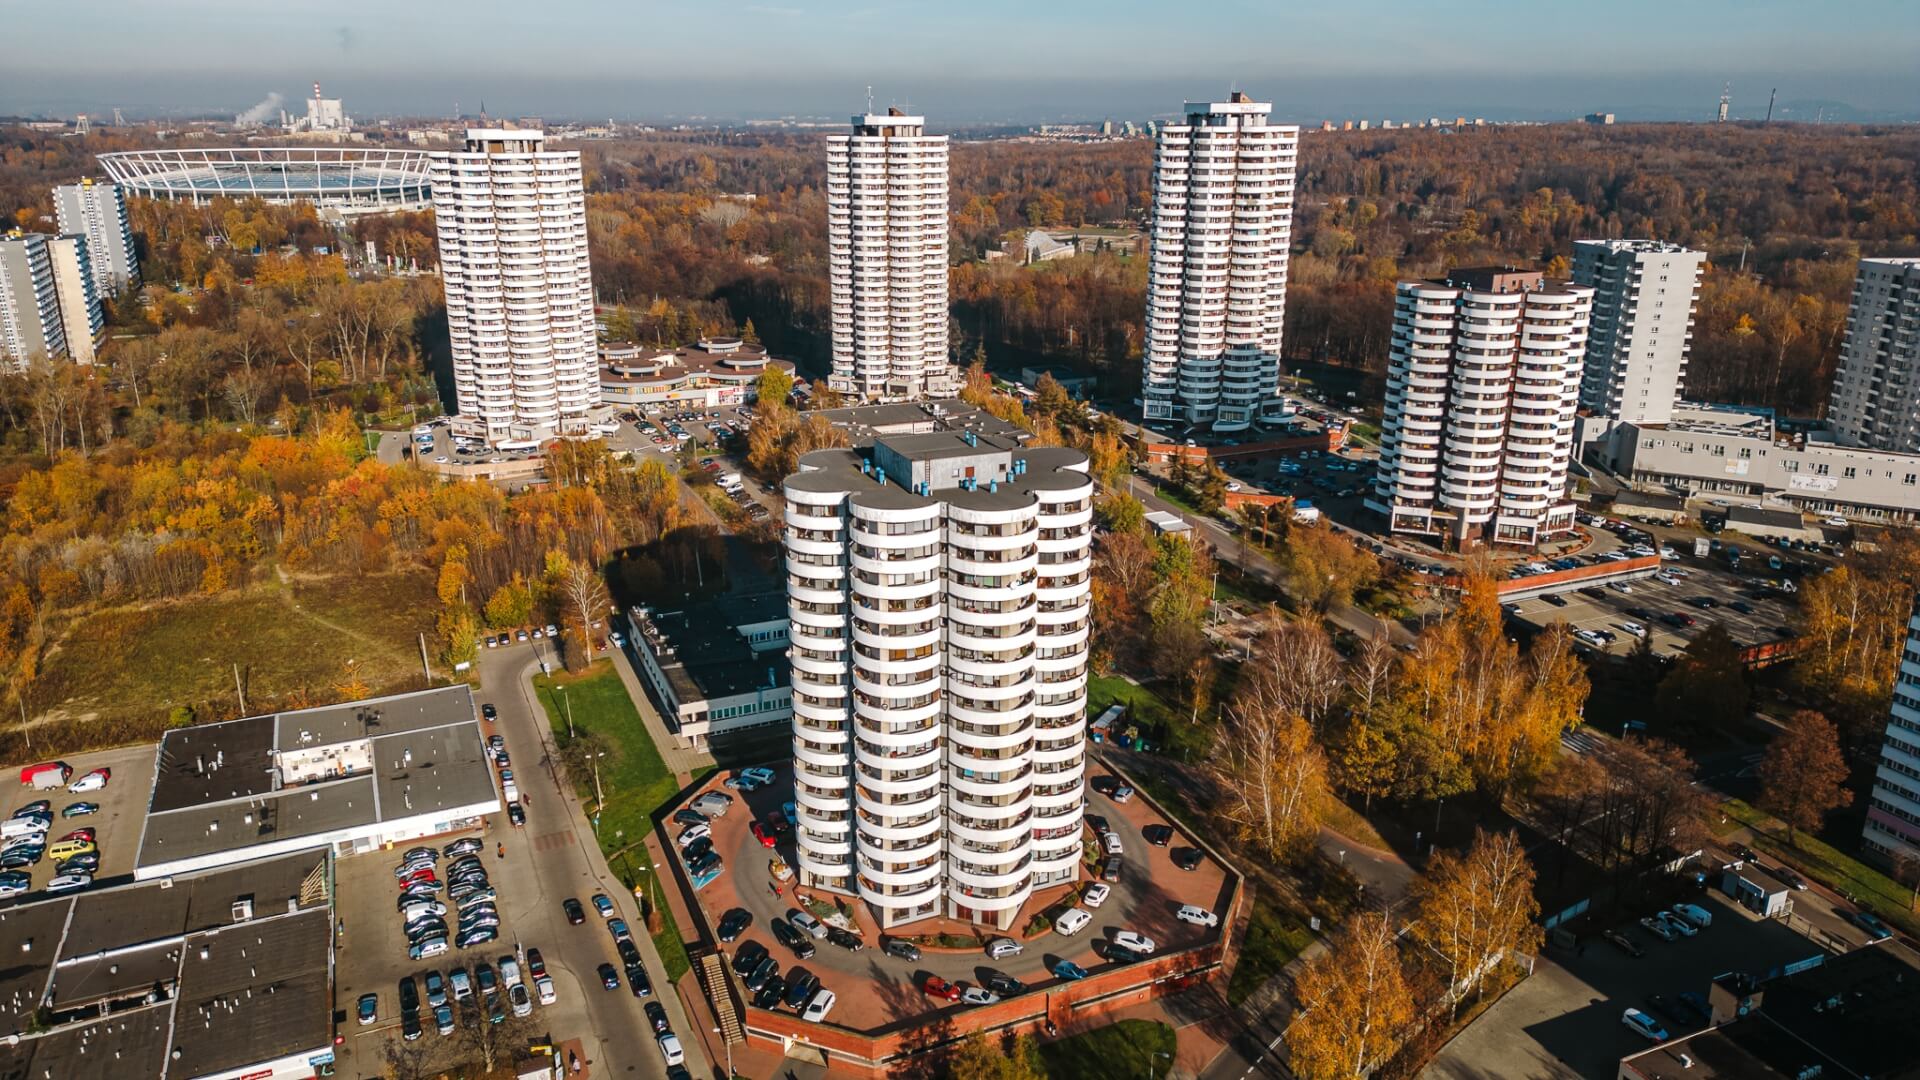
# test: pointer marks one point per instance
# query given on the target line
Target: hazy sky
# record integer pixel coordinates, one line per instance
(960, 61)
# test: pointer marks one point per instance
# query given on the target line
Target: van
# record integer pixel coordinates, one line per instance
(17, 828)
(1695, 914)
(67, 849)
(1072, 922)
(713, 804)
(512, 793)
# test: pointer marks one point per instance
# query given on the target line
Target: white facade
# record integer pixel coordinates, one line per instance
(512, 220)
(1893, 810)
(1483, 380)
(887, 259)
(30, 323)
(939, 638)
(1643, 298)
(1876, 391)
(80, 316)
(98, 211)
(1222, 220)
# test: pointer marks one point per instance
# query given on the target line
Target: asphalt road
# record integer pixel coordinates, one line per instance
(560, 861)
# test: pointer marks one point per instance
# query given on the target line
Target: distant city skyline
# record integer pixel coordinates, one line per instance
(996, 61)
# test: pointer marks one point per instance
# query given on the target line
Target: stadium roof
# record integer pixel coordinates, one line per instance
(346, 178)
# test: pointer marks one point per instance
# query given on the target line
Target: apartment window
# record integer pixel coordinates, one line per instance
(1848, 473)
(1909, 480)
(1746, 452)
(1820, 468)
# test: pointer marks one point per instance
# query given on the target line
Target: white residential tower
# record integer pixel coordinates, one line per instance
(73, 287)
(98, 211)
(1643, 297)
(512, 219)
(30, 326)
(1222, 220)
(1483, 380)
(887, 259)
(1876, 391)
(939, 612)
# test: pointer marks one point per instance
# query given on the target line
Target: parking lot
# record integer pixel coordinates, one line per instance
(874, 987)
(1565, 1020)
(1673, 611)
(116, 825)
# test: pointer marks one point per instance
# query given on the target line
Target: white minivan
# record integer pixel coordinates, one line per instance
(1072, 922)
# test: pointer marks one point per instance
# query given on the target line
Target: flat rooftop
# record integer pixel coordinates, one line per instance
(710, 658)
(835, 471)
(175, 973)
(1760, 515)
(217, 788)
(865, 423)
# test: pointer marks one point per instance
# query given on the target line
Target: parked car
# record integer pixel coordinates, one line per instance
(905, 950)
(1134, 942)
(818, 1008)
(609, 978)
(1197, 915)
(603, 905)
(733, 924)
(1867, 921)
(1624, 943)
(1658, 928)
(807, 923)
(1158, 835)
(978, 995)
(1095, 895)
(1072, 922)
(845, 939)
(1189, 858)
(79, 809)
(1001, 948)
(935, 986)
(1067, 969)
(574, 912)
(1643, 1025)
(656, 1016)
(367, 1011)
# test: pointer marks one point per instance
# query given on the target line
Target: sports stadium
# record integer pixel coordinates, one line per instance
(350, 180)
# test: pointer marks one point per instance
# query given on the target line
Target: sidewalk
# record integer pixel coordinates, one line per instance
(681, 762)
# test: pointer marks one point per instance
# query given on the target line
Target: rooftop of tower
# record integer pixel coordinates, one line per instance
(905, 472)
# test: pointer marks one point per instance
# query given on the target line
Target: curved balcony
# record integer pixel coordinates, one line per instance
(912, 877)
(969, 897)
(824, 800)
(905, 831)
(881, 896)
(817, 864)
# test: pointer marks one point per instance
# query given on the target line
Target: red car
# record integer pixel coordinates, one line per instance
(424, 874)
(935, 986)
(763, 834)
(85, 836)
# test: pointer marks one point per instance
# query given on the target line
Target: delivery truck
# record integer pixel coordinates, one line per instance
(46, 776)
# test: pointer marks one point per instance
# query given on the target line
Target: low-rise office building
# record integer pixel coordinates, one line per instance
(347, 778)
(1709, 449)
(223, 975)
(714, 373)
(716, 667)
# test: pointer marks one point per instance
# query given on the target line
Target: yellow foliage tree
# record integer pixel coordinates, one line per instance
(1355, 1006)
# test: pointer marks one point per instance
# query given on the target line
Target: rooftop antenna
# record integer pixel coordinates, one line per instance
(1726, 99)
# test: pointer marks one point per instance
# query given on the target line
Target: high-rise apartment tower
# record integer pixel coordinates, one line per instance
(1893, 806)
(512, 219)
(1643, 297)
(98, 211)
(80, 316)
(1217, 285)
(1876, 392)
(939, 612)
(30, 326)
(1483, 380)
(887, 259)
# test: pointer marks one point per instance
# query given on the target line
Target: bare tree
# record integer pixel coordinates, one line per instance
(1370, 675)
(1272, 772)
(1296, 666)
(587, 595)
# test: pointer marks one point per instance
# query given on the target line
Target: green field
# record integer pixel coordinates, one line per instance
(112, 675)
(1274, 937)
(634, 779)
(1122, 1051)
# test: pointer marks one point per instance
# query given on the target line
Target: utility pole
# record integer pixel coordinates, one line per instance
(568, 703)
(424, 666)
(238, 690)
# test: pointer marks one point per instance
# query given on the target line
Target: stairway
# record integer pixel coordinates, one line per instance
(713, 979)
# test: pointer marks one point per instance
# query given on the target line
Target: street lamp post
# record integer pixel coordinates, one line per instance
(729, 1046)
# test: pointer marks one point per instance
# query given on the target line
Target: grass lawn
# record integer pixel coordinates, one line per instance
(1829, 866)
(1115, 1052)
(1275, 935)
(289, 639)
(1158, 721)
(635, 780)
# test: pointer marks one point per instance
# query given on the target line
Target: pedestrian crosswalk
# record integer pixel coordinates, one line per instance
(1579, 741)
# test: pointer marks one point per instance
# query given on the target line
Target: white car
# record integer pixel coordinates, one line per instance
(694, 832)
(545, 985)
(1836, 522)
(807, 924)
(670, 1048)
(820, 1006)
(1111, 842)
(1096, 894)
(1072, 922)
(979, 995)
(93, 781)
(509, 971)
(1196, 915)
(1619, 586)
(1139, 943)
(1643, 1025)
(69, 882)
(1633, 628)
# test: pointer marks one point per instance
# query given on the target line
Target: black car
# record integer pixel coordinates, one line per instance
(575, 913)
(684, 816)
(638, 981)
(845, 939)
(1555, 599)
(628, 953)
(767, 968)
(905, 950)
(487, 710)
(609, 978)
(1704, 602)
(704, 863)
(1642, 614)
(1118, 954)
(1158, 835)
(657, 1016)
(747, 957)
(792, 937)
(733, 924)
(1003, 984)
(515, 815)
(17, 858)
(1098, 824)
(87, 862)
(1742, 607)
(1188, 858)
(696, 850)
(770, 993)
(801, 984)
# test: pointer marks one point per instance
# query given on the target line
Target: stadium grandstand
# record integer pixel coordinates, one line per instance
(349, 180)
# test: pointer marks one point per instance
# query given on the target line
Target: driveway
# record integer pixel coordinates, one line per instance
(875, 988)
